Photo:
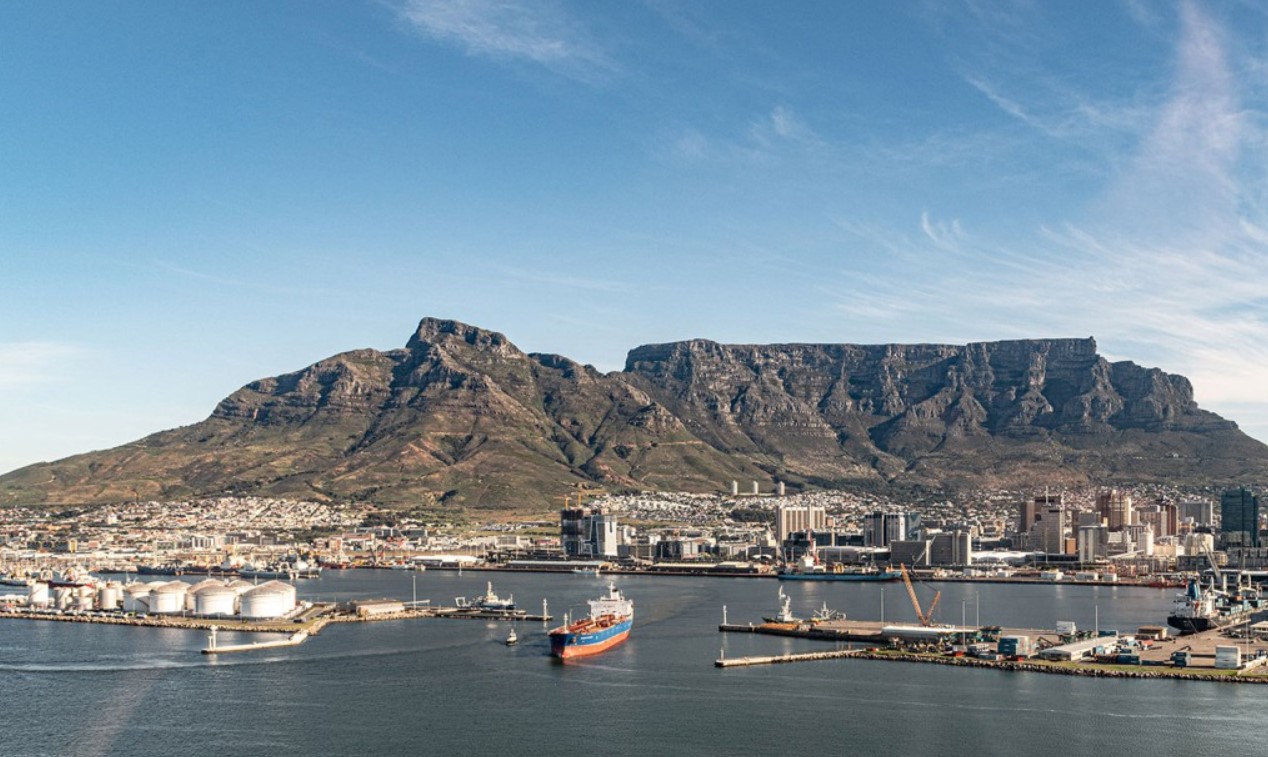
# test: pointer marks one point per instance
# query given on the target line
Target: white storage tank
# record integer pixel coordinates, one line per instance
(110, 595)
(190, 596)
(62, 597)
(283, 587)
(136, 597)
(169, 598)
(37, 595)
(215, 600)
(266, 602)
(241, 586)
(86, 599)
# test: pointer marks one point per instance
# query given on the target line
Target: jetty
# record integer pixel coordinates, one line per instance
(212, 647)
(740, 662)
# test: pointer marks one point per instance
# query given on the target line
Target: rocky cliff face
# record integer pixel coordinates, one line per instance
(461, 415)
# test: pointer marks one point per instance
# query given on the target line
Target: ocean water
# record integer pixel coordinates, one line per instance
(451, 687)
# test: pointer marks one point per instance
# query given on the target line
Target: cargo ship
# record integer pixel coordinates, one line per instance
(1199, 608)
(609, 624)
(808, 568)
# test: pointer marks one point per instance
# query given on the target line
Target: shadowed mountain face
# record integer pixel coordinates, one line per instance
(462, 416)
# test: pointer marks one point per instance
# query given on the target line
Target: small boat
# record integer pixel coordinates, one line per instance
(587, 571)
(511, 638)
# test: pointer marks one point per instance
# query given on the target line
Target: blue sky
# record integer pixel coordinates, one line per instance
(193, 196)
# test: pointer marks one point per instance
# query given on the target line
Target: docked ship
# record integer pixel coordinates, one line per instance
(489, 602)
(609, 624)
(810, 571)
(16, 580)
(286, 571)
(1200, 608)
(785, 614)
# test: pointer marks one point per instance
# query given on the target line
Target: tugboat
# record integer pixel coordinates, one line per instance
(609, 624)
(490, 602)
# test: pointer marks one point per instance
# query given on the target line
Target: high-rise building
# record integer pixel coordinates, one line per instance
(1116, 508)
(573, 528)
(1201, 513)
(1141, 536)
(792, 519)
(588, 534)
(1162, 515)
(880, 528)
(1083, 518)
(1092, 543)
(1029, 510)
(1048, 533)
(1025, 515)
(951, 548)
(912, 553)
(1239, 518)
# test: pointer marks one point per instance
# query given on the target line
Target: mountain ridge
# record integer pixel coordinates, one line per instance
(462, 416)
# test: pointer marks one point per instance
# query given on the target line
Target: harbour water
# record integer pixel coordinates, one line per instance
(448, 686)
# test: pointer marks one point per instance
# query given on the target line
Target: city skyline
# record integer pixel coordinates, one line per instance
(199, 198)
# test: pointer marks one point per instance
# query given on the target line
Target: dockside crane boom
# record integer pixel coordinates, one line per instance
(926, 619)
(929, 615)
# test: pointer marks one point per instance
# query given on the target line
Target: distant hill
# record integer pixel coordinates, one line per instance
(463, 417)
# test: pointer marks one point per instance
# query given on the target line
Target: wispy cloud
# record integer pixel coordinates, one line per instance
(230, 281)
(31, 363)
(943, 234)
(1170, 268)
(1184, 177)
(778, 133)
(539, 32)
(782, 124)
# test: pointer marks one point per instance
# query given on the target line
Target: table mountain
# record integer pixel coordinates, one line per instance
(462, 416)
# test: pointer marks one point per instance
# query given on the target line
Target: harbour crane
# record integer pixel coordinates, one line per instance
(926, 618)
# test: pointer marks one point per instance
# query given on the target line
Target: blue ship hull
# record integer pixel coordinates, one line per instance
(567, 643)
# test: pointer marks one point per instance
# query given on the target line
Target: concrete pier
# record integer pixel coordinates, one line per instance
(214, 648)
(740, 662)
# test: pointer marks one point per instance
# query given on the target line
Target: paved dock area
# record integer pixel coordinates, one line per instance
(1155, 660)
(864, 631)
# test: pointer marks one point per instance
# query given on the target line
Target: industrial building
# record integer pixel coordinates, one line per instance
(1077, 650)
(369, 608)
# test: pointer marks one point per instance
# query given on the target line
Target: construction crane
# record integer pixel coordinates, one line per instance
(926, 618)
